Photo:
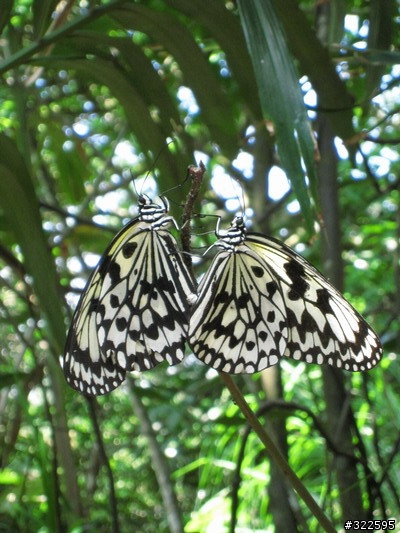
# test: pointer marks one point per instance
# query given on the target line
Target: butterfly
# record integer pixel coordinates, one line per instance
(134, 311)
(260, 301)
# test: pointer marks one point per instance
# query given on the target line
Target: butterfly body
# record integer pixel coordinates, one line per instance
(260, 301)
(133, 313)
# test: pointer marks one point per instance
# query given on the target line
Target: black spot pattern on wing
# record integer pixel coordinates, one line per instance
(133, 313)
(85, 367)
(237, 325)
(152, 305)
(260, 301)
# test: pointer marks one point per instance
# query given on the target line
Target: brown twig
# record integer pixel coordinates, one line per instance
(197, 175)
(276, 455)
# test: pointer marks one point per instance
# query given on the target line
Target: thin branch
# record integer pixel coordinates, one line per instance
(54, 476)
(92, 403)
(371, 176)
(197, 175)
(158, 461)
(381, 140)
(25, 54)
(272, 450)
(276, 455)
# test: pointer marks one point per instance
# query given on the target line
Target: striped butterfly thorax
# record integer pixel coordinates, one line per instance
(133, 312)
(261, 301)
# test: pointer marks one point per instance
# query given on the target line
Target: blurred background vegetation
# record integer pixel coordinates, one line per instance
(91, 96)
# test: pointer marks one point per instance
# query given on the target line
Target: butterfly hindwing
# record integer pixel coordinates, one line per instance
(133, 313)
(260, 301)
(85, 366)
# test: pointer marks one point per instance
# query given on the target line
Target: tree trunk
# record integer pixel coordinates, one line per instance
(339, 421)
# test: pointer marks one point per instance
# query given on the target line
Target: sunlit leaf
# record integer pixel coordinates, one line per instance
(280, 96)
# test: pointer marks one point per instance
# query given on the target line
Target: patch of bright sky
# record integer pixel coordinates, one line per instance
(309, 96)
(340, 148)
(81, 127)
(124, 155)
(388, 99)
(228, 188)
(352, 27)
(88, 106)
(171, 452)
(75, 267)
(187, 101)
(357, 174)
(278, 184)
(223, 184)
(361, 264)
(293, 207)
(244, 163)
(68, 146)
(390, 154)
(380, 165)
(201, 157)
(109, 204)
(352, 23)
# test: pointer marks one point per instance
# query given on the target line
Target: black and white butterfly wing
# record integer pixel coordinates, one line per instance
(85, 366)
(260, 301)
(238, 324)
(143, 314)
(324, 328)
(133, 313)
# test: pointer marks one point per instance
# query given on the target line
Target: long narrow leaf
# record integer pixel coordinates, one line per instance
(20, 206)
(167, 30)
(280, 96)
(316, 63)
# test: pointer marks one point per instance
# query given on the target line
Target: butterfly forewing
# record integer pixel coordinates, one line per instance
(261, 301)
(143, 312)
(133, 312)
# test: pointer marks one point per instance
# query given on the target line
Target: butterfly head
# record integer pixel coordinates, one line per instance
(234, 235)
(150, 211)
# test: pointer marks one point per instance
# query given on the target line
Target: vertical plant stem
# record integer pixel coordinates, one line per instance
(196, 174)
(113, 500)
(276, 455)
(159, 462)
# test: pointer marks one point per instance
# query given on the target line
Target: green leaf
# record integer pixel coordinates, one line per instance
(10, 477)
(42, 12)
(337, 13)
(21, 208)
(5, 11)
(167, 30)
(315, 62)
(151, 138)
(72, 165)
(280, 96)
(229, 36)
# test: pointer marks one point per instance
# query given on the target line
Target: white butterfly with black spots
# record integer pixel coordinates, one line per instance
(134, 311)
(260, 301)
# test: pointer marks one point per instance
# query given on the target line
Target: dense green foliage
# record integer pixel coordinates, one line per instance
(92, 94)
